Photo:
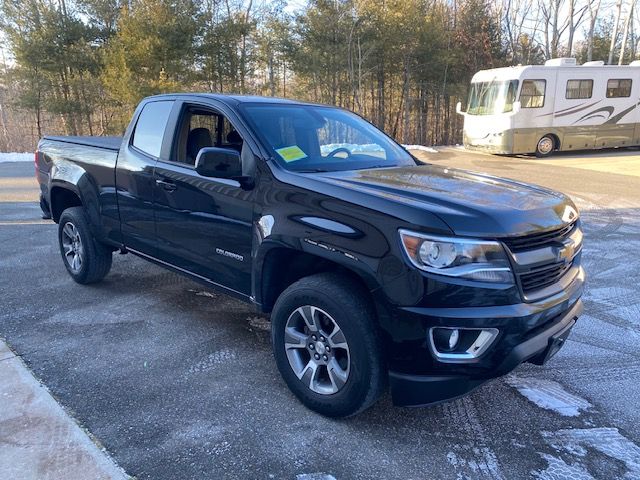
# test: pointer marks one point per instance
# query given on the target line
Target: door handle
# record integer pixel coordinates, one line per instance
(168, 186)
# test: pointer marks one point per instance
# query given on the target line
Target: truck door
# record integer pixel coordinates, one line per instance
(204, 225)
(135, 183)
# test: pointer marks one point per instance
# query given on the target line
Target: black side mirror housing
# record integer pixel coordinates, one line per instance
(222, 163)
(219, 163)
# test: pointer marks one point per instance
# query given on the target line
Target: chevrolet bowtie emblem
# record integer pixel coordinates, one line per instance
(569, 214)
(566, 252)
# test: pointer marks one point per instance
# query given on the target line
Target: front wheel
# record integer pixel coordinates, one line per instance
(327, 345)
(86, 259)
(545, 147)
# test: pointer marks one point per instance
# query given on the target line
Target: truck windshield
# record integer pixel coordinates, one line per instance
(490, 98)
(310, 138)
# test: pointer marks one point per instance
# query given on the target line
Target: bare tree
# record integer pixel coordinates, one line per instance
(551, 12)
(516, 14)
(3, 113)
(625, 35)
(614, 34)
(575, 18)
(594, 8)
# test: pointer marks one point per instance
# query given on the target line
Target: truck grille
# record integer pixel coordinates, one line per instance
(538, 240)
(543, 276)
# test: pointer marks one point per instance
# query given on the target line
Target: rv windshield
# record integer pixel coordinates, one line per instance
(489, 98)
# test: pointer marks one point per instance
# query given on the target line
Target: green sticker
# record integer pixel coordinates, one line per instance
(291, 154)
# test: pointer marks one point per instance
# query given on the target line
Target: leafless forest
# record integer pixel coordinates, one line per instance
(78, 67)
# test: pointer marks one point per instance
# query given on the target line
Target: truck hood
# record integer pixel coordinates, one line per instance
(471, 204)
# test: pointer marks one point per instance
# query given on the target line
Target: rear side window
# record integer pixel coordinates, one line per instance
(579, 89)
(619, 88)
(532, 93)
(150, 127)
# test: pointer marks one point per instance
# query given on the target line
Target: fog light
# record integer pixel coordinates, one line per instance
(446, 339)
(459, 345)
(453, 339)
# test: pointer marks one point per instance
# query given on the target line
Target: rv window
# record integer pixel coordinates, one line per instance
(532, 93)
(619, 88)
(579, 89)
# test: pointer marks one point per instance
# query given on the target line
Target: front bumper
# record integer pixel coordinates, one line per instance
(500, 144)
(529, 332)
(419, 390)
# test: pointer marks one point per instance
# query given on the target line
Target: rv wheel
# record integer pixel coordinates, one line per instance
(546, 146)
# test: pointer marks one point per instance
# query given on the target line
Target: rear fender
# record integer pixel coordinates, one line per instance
(72, 177)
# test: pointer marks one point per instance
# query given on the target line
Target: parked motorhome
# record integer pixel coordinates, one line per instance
(557, 106)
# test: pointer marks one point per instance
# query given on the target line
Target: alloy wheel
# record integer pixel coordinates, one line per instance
(317, 350)
(545, 145)
(72, 245)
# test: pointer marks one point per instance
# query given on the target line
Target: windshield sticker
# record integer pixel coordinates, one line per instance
(291, 154)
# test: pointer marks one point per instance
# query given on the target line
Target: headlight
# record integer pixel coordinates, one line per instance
(480, 260)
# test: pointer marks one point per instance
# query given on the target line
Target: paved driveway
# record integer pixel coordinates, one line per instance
(178, 382)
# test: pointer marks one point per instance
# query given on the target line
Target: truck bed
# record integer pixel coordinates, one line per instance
(106, 143)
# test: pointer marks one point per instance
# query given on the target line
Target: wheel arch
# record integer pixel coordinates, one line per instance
(556, 139)
(61, 197)
(274, 279)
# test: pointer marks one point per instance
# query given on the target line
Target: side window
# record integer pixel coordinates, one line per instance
(200, 128)
(579, 89)
(532, 93)
(617, 88)
(149, 130)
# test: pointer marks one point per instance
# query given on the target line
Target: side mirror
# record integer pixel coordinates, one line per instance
(222, 163)
(459, 108)
(218, 162)
(516, 107)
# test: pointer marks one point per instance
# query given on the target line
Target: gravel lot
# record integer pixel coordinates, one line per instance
(178, 382)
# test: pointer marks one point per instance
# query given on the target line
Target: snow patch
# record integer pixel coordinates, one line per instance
(549, 395)
(213, 359)
(315, 476)
(608, 441)
(421, 148)
(15, 157)
(473, 459)
(477, 461)
(558, 469)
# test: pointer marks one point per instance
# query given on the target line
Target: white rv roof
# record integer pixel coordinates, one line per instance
(508, 73)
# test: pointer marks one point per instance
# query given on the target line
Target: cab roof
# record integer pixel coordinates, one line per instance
(233, 100)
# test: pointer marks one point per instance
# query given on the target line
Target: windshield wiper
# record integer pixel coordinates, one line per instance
(376, 166)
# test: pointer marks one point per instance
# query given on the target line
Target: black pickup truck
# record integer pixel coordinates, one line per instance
(376, 270)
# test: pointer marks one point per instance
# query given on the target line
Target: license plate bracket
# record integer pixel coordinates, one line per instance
(556, 342)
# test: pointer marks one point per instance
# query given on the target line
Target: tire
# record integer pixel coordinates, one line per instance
(86, 259)
(545, 146)
(346, 381)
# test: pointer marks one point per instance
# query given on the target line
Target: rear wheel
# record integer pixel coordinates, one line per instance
(546, 146)
(327, 345)
(86, 259)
